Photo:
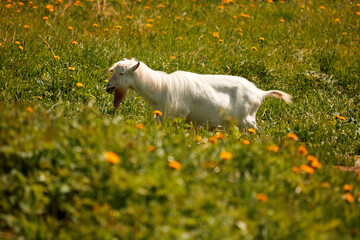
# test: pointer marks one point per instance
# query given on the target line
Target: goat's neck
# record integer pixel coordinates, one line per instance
(151, 85)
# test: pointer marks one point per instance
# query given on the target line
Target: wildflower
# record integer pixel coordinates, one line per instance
(106, 80)
(270, 1)
(254, 48)
(221, 40)
(118, 27)
(29, 109)
(158, 17)
(26, 26)
(325, 184)
(226, 155)
(175, 165)
(35, 7)
(337, 20)
(261, 197)
(245, 15)
(147, 7)
(129, 17)
(340, 117)
(0, 44)
(106, 29)
(39, 97)
(272, 148)
(45, 42)
(307, 169)
(79, 84)
(157, 113)
(295, 169)
(344, 33)
(358, 13)
(140, 126)
(94, 25)
(74, 42)
(219, 135)
(8, 5)
(251, 130)
(21, 48)
(56, 57)
(261, 39)
(311, 158)
(282, 20)
(292, 136)
(162, 5)
(21, 3)
(71, 68)
(212, 139)
(17, 42)
(302, 150)
(349, 198)
(198, 138)
(347, 187)
(112, 157)
(151, 148)
(172, 57)
(149, 25)
(316, 164)
(234, 17)
(150, 20)
(45, 18)
(245, 142)
(76, 3)
(70, 28)
(216, 35)
(221, 7)
(210, 164)
(322, 7)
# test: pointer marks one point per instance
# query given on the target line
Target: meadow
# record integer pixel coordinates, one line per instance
(73, 168)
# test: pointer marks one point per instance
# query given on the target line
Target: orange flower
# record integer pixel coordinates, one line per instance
(226, 155)
(140, 126)
(251, 130)
(307, 169)
(245, 15)
(261, 197)
(172, 57)
(344, 33)
(254, 48)
(349, 198)
(295, 169)
(21, 48)
(216, 35)
(79, 84)
(347, 187)
(118, 27)
(149, 25)
(71, 68)
(94, 25)
(17, 42)
(56, 57)
(302, 150)
(325, 184)
(157, 113)
(316, 164)
(337, 19)
(212, 139)
(282, 20)
(221, 7)
(293, 136)
(311, 158)
(272, 148)
(45, 18)
(175, 165)
(261, 38)
(112, 157)
(322, 7)
(219, 135)
(245, 142)
(26, 26)
(70, 28)
(151, 148)
(29, 109)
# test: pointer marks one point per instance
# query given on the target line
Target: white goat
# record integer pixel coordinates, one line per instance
(202, 99)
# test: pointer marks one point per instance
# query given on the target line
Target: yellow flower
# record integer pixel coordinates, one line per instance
(322, 7)
(358, 13)
(151, 148)
(70, 28)
(71, 68)
(198, 138)
(347, 187)
(79, 84)
(106, 29)
(344, 33)
(282, 20)
(316, 164)
(147, 7)
(175, 165)
(26, 26)
(129, 17)
(261, 38)
(140, 126)
(56, 57)
(272, 148)
(302, 150)
(157, 113)
(150, 20)
(21, 48)
(337, 19)
(39, 97)
(251, 130)
(245, 142)
(29, 109)
(245, 15)
(212, 139)
(8, 5)
(292, 136)
(45, 18)
(349, 198)
(221, 40)
(261, 197)
(311, 158)
(17, 42)
(226, 155)
(325, 184)
(149, 25)
(219, 135)
(74, 42)
(172, 57)
(112, 157)
(216, 35)
(221, 7)
(94, 25)
(307, 169)
(118, 27)
(254, 48)
(234, 17)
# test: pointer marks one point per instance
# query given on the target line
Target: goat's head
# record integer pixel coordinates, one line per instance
(121, 80)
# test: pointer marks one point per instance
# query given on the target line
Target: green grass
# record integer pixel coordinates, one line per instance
(56, 182)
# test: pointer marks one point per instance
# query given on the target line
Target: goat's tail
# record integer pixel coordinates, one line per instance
(279, 94)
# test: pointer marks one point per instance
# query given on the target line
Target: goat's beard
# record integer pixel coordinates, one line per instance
(119, 95)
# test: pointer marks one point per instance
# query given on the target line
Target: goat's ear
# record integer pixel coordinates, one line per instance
(119, 95)
(133, 68)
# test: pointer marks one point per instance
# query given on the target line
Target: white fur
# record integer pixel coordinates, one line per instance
(202, 99)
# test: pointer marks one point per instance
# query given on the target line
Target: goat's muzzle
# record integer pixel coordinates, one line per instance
(110, 89)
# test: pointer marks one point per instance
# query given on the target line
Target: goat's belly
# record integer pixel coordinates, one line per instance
(206, 115)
